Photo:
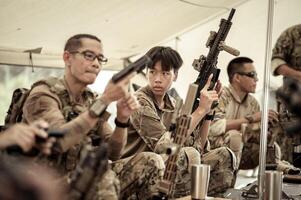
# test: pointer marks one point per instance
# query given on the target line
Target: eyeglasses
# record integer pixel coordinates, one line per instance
(90, 56)
(249, 74)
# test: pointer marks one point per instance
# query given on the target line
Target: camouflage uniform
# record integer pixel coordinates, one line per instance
(148, 133)
(245, 142)
(287, 50)
(50, 100)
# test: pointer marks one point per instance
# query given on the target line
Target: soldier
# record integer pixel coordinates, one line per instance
(238, 117)
(286, 61)
(149, 131)
(67, 104)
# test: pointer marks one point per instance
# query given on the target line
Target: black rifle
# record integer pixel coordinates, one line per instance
(137, 66)
(93, 164)
(207, 65)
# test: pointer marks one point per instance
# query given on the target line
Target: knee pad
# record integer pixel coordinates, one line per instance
(193, 156)
(156, 159)
(235, 140)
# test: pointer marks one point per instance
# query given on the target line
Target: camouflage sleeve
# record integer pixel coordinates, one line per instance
(148, 125)
(42, 104)
(218, 126)
(282, 49)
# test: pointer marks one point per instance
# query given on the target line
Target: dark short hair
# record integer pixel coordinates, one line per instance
(74, 42)
(237, 65)
(170, 58)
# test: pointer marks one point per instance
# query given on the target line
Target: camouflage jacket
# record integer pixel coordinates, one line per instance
(148, 124)
(231, 107)
(50, 100)
(287, 49)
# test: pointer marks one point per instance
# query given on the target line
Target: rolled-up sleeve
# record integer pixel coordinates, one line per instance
(42, 104)
(149, 125)
(282, 49)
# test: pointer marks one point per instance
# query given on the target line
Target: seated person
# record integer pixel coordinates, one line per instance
(236, 109)
(68, 104)
(148, 129)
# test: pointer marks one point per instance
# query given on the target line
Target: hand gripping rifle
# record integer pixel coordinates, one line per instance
(93, 164)
(207, 65)
(181, 135)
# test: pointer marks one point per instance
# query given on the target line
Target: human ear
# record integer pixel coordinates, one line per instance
(176, 76)
(66, 58)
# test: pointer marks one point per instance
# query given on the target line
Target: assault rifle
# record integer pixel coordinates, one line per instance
(92, 166)
(207, 65)
(181, 135)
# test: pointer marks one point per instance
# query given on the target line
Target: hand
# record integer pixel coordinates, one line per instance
(273, 117)
(256, 117)
(207, 97)
(218, 88)
(114, 92)
(25, 135)
(125, 107)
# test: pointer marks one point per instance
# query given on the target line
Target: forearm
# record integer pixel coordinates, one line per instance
(204, 131)
(196, 117)
(117, 143)
(287, 71)
(76, 130)
(235, 124)
(4, 141)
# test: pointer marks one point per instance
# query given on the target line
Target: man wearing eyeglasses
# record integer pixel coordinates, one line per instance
(66, 103)
(238, 116)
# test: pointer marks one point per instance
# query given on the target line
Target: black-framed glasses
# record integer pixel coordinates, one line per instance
(252, 74)
(90, 56)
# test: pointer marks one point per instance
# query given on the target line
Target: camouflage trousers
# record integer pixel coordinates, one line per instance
(247, 153)
(139, 175)
(222, 164)
(105, 187)
(187, 156)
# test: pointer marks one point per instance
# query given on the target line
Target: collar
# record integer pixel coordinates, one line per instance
(236, 96)
(169, 102)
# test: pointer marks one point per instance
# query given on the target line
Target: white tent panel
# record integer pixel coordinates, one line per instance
(126, 27)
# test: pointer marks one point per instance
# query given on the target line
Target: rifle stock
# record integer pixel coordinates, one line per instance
(181, 135)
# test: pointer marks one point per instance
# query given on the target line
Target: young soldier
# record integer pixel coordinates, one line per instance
(148, 129)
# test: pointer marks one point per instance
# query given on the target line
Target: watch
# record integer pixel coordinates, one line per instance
(121, 124)
(97, 108)
(210, 116)
(249, 118)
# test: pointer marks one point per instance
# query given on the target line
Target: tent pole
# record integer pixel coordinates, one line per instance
(265, 101)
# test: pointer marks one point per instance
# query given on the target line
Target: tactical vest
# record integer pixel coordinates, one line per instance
(66, 162)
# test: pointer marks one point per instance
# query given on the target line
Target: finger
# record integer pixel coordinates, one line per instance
(208, 82)
(218, 85)
(134, 106)
(40, 132)
(40, 124)
(127, 79)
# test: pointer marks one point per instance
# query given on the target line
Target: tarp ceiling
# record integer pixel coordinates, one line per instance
(125, 27)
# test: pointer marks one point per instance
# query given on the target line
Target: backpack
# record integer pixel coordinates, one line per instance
(15, 111)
